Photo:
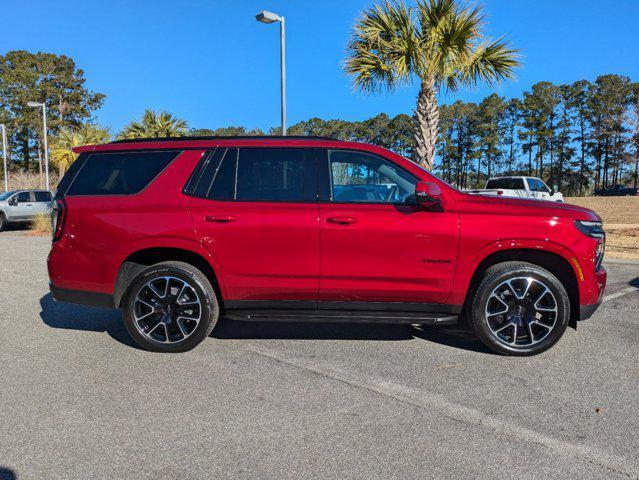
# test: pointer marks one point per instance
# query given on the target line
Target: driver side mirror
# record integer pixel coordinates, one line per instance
(14, 201)
(428, 194)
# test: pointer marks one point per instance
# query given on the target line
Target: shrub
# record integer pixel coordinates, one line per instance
(41, 224)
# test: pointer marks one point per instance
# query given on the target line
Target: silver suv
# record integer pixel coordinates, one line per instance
(20, 206)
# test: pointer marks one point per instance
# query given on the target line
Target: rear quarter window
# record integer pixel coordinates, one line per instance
(119, 173)
(506, 183)
(42, 196)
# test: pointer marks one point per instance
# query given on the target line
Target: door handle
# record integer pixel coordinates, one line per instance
(219, 219)
(342, 220)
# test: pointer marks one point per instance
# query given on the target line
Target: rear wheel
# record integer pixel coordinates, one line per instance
(519, 309)
(170, 307)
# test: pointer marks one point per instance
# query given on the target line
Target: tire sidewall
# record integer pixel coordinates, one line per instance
(208, 300)
(480, 323)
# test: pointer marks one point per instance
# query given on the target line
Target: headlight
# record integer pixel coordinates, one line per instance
(594, 230)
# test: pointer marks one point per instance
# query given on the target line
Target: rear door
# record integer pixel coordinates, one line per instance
(377, 244)
(256, 212)
(42, 204)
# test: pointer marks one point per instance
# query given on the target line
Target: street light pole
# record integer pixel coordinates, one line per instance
(46, 146)
(283, 72)
(4, 157)
(269, 17)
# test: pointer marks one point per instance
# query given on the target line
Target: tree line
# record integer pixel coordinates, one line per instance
(580, 136)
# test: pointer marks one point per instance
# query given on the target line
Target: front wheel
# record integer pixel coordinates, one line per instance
(519, 309)
(170, 307)
(3, 222)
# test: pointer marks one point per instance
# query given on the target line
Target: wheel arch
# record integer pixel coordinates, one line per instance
(140, 259)
(553, 262)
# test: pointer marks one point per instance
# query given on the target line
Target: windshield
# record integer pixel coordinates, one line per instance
(506, 183)
(5, 195)
(433, 174)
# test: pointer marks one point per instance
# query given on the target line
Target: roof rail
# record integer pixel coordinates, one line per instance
(230, 137)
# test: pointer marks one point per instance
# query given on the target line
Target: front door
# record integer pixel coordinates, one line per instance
(256, 212)
(377, 244)
(23, 210)
(538, 189)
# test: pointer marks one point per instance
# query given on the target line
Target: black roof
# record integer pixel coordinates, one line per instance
(230, 137)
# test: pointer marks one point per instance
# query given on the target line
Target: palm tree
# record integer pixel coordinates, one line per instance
(436, 43)
(62, 155)
(154, 125)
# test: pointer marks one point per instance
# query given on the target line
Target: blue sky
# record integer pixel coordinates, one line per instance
(212, 64)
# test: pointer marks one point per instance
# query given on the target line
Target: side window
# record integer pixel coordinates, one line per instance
(42, 196)
(362, 177)
(207, 173)
(69, 175)
(224, 183)
(277, 174)
(23, 197)
(215, 176)
(121, 173)
(537, 185)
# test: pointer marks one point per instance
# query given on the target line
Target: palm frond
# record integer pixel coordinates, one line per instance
(491, 63)
(382, 48)
(154, 125)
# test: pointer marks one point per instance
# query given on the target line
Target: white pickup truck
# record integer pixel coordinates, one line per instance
(519, 187)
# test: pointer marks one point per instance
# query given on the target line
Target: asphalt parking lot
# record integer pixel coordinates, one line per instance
(78, 400)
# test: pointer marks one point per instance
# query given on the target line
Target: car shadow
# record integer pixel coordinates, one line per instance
(458, 336)
(634, 282)
(70, 316)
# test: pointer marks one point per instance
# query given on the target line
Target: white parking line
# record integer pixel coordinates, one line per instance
(461, 413)
(620, 293)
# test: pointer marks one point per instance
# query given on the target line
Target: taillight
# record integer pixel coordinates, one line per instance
(57, 219)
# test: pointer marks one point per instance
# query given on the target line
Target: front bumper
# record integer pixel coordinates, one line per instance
(587, 311)
(594, 293)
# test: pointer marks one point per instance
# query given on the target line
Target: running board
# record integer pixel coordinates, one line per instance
(332, 316)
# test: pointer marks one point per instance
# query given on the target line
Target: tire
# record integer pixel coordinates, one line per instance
(3, 222)
(525, 323)
(179, 320)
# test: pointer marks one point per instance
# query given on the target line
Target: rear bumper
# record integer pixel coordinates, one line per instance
(81, 297)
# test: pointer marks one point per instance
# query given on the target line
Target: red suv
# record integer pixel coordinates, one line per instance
(176, 232)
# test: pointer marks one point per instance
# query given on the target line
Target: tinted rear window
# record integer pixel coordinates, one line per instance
(214, 178)
(121, 173)
(69, 175)
(506, 183)
(276, 174)
(224, 184)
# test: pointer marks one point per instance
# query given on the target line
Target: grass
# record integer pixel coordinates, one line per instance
(41, 225)
(612, 210)
(620, 216)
